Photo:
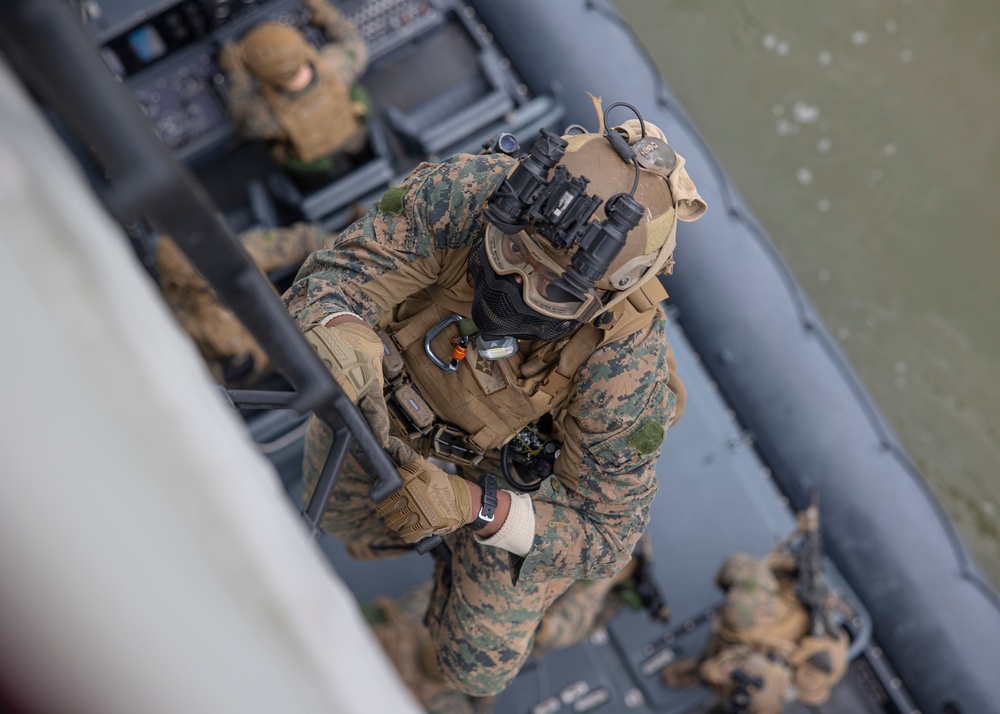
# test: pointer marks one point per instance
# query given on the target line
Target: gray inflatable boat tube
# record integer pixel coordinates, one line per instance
(936, 617)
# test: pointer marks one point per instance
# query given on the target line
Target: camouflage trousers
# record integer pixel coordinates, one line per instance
(483, 626)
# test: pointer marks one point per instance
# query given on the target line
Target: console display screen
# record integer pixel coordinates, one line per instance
(147, 44)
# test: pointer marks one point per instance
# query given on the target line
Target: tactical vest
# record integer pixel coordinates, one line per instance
(778, 632)
(782, 635)
(317, 121)
(483, 404)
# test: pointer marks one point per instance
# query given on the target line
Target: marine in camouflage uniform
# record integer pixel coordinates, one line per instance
(231, 353)
(764, 631)
(307, 126)
(402, 268)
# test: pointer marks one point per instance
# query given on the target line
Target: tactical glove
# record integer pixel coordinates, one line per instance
(230, 58)
(321, 11)
(400, 452)
(353, 354)
(431, 502)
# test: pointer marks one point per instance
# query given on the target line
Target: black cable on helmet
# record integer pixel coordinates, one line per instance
(621, 146)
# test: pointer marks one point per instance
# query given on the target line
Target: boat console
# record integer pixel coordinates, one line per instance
(437, 80)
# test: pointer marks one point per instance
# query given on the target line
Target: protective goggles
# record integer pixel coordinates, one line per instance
(518, 254)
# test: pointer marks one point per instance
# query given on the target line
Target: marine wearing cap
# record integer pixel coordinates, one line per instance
(274, 52)
(304, 101)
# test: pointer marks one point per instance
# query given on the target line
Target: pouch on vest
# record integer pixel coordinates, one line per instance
(392, 361)
(414, 408)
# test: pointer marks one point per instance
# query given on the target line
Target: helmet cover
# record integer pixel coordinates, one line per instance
(593, 157)
(274, 52)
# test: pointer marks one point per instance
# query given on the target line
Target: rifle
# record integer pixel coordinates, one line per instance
(744, 685)
(812, 589)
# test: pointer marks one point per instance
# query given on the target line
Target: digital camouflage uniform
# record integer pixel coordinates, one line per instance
(338, 64)
(232, 354)
(764, 630)
(409, 250)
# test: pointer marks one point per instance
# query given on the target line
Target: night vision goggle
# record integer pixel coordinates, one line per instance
(559, 210)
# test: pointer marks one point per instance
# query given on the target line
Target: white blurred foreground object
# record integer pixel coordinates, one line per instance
(151, 561)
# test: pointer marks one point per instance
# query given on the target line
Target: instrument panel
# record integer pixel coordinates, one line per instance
(165, 52)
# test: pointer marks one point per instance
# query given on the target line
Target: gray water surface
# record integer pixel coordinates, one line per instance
(864, 135)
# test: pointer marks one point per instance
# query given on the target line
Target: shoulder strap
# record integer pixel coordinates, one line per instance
(635, 312)
(577, 351)
(630, 316)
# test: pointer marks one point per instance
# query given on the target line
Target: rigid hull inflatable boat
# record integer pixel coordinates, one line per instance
(775, 413)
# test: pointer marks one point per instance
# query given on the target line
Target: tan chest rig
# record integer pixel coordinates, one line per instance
(460, 415)
(317, 121)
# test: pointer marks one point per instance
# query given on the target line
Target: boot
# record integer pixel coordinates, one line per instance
(636, 587)
(410, 649)
(681, 674)
(399, 627)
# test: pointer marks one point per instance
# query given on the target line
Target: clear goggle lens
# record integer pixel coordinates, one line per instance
(520, 255)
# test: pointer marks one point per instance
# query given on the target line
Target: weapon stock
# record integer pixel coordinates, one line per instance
(744, 686)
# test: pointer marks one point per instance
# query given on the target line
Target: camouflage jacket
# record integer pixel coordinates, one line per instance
(346, 54)
(587, 525)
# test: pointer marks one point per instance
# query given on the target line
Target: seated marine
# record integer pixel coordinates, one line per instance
(304, 101)
(767, 649)
(232, 355)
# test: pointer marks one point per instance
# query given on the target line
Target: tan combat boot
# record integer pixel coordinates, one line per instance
(407, 641)
(409, 647)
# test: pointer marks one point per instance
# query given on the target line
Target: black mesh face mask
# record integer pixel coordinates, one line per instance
(499, 310)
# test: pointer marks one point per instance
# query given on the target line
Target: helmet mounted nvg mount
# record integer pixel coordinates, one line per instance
(559, 210)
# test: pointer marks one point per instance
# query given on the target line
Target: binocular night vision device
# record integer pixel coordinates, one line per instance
(560, 209)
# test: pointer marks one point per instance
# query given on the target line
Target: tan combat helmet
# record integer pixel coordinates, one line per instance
(664, 190)
(582, 223)
(274, 52)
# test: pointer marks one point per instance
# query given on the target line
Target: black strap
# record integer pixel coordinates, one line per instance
(489, 506)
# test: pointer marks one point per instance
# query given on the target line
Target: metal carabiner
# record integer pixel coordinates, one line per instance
(434, 332)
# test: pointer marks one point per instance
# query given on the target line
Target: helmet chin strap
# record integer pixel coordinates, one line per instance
(662, 257)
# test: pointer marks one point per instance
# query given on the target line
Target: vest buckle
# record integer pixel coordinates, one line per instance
(451, 444)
